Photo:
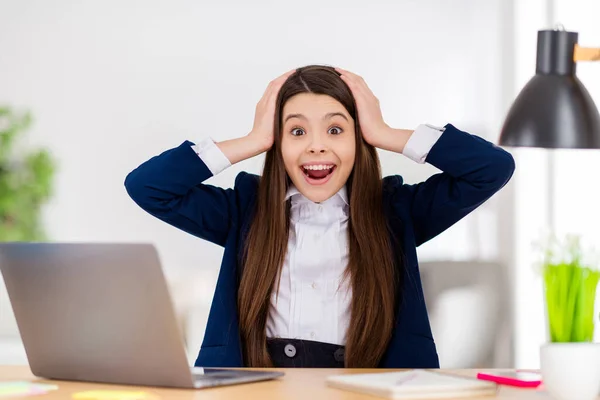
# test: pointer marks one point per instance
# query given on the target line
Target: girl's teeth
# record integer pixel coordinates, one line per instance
(318, 167)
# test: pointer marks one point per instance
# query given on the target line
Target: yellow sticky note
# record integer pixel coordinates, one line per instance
(113, 395)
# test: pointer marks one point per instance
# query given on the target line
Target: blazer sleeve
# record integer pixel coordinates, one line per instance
(473, 170)
(170, 187)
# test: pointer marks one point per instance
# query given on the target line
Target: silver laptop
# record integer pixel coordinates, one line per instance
(101, 312)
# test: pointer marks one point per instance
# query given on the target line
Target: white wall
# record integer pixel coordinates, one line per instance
(113, 83)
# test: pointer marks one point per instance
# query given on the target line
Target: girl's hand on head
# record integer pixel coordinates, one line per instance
(374, 130)
(264, 117)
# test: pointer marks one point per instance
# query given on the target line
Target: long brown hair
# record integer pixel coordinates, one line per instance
(370, 267)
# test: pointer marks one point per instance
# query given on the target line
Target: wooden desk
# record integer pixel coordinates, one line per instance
(306, 384)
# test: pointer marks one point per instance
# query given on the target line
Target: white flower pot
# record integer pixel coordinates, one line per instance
(571, 371)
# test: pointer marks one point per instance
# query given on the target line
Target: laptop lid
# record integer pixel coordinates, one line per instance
(97, 312)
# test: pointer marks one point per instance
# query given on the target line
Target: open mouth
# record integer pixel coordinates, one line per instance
(318, 173)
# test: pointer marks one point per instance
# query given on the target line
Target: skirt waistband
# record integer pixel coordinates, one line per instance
(297, 353)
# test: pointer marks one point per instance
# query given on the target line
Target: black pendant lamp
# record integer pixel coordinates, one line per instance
(554, 109)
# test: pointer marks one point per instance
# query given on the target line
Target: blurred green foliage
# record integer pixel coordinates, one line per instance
(570, 282)
(26, 180)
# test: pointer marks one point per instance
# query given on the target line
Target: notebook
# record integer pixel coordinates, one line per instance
(413, 384)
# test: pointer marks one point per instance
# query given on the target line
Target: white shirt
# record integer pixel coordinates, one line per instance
(308, 304)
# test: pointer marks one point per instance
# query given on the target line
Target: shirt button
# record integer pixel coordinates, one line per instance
(320, 208)
(313, 285)
(312, 335)
(338, 355)
(290, 350)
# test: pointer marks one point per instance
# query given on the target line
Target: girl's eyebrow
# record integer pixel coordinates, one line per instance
(326, 116)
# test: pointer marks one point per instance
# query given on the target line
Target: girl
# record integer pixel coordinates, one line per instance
(320, 266)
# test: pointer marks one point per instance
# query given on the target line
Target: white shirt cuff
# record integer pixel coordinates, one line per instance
(421, 141)
(211, 155)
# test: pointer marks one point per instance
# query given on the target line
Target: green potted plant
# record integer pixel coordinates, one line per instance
(26, 178)
(570, 281)
(570, 277)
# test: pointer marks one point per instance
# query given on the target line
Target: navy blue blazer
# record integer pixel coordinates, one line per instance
(170, 187)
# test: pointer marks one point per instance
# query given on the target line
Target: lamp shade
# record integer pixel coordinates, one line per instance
(554, 109)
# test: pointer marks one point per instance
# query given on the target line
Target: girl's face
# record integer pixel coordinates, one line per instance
(318, 144)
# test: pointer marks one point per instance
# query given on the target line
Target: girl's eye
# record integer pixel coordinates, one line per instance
(335, 130)
(297, 131)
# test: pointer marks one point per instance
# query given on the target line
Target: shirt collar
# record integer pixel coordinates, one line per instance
(295, 195)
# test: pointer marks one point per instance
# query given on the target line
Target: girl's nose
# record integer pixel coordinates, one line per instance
(315, 150)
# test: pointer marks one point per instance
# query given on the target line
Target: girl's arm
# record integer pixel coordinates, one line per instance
(170, 186)
(473, 170)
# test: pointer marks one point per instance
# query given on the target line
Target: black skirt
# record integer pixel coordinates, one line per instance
(296, 353)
